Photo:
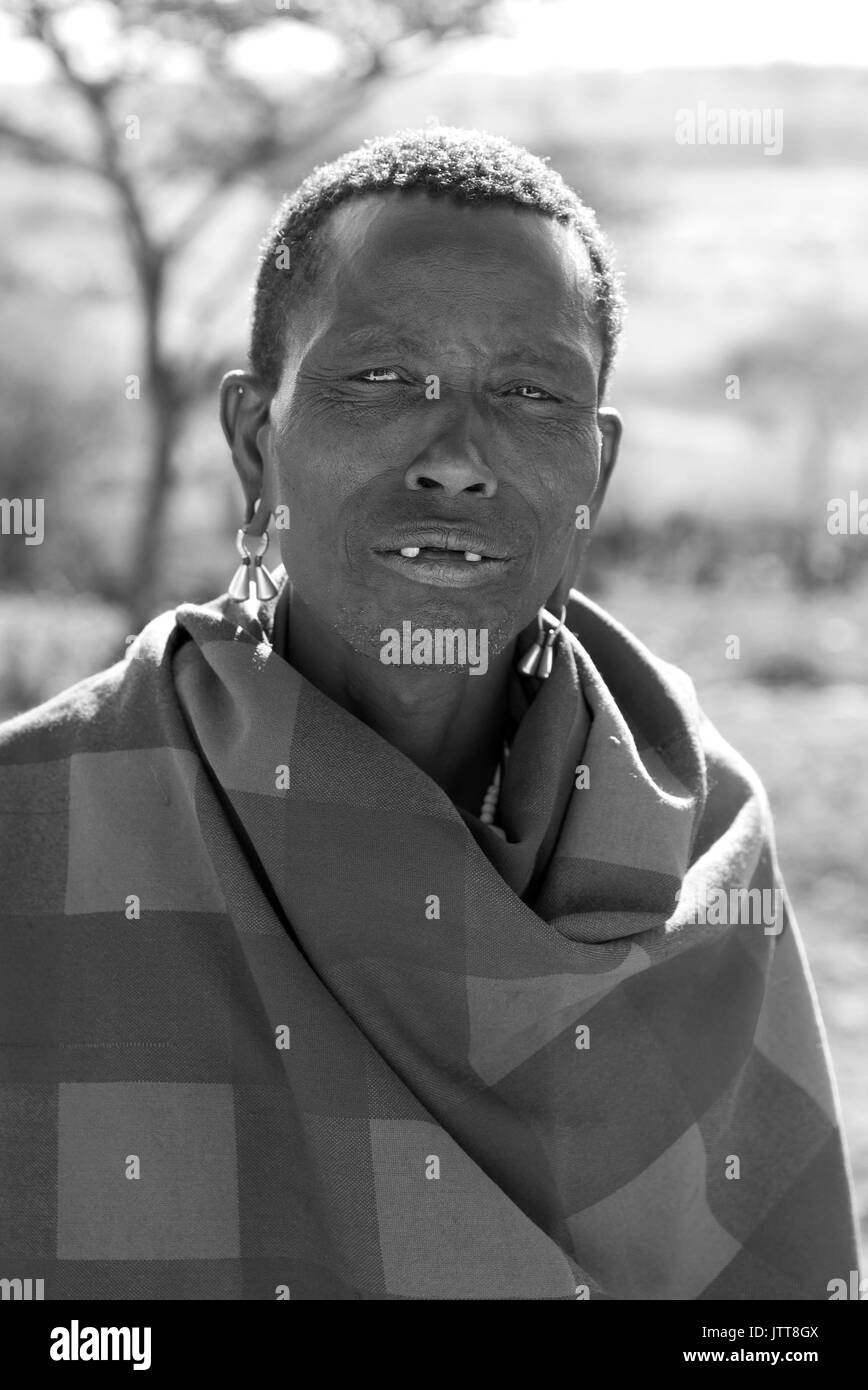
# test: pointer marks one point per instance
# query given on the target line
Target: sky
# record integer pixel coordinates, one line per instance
(626, 35)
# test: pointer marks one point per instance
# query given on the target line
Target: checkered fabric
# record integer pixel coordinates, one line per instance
(278, 1020)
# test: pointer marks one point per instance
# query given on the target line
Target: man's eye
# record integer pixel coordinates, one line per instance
(379, 374)
(537, 393)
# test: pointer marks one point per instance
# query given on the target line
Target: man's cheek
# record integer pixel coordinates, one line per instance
(575, 465)
(309, 497)
(556, 515)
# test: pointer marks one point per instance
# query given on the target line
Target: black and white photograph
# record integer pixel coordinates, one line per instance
(434, 663)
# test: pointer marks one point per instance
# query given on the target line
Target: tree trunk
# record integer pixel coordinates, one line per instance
(164, 415)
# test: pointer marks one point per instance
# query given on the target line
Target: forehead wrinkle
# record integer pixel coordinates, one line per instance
(350, 281)
(436, 318)
(381, 337)
(559, 354)
(479, 274)
(364, 237)
(428, 312)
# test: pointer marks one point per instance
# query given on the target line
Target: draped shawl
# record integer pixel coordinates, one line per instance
(279, 1020)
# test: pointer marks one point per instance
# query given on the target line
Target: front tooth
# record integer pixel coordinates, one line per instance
(469, 555)
(411, 551)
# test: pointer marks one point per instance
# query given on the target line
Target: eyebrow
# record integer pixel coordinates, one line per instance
(571, 356)
(381, 337)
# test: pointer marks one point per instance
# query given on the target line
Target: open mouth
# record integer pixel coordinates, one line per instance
(443, 565)
(455, 552)
(443, 553)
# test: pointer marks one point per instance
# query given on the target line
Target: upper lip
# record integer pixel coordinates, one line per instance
(446, 535)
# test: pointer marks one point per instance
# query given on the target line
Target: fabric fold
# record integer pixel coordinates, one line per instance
(358, 1045)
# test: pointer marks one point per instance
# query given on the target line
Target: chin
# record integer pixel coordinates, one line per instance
(364, 631)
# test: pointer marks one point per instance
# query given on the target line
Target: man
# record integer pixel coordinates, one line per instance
(403, 930)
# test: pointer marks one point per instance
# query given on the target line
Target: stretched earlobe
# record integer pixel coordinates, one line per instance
(244, 417)
(251, 574)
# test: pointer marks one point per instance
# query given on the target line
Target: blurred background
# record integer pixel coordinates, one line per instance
(144, 145)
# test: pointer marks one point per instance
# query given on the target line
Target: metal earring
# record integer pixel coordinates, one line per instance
(251, 573)
(539, 660)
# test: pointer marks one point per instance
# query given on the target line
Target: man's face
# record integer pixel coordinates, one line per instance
(439, 386)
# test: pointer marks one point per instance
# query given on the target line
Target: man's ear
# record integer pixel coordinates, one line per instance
(611, 427)
(244, 407)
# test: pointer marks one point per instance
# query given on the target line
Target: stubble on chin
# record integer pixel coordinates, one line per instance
(364, 632)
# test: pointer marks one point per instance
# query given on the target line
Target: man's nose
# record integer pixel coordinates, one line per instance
(452, 464)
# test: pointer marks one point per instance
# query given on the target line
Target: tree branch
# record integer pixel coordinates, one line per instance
(42, 150)
(95, 95)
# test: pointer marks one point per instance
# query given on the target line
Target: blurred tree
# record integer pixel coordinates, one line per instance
(806, 378)
(210, 127)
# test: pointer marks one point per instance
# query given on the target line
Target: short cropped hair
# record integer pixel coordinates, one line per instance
(468, 166)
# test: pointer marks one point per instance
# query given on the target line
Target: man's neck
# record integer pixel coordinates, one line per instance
(450, 724)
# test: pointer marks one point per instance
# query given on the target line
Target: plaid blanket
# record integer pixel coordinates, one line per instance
(279, 1021)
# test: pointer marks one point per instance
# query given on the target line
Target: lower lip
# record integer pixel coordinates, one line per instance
(448, 574)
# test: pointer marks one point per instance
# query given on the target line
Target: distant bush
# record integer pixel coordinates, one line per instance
(49, 643)
(702, 552)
